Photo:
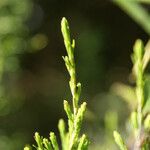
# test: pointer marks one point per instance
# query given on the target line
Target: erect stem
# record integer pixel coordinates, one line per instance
(75, 117)
(70, 62)
(139, 74)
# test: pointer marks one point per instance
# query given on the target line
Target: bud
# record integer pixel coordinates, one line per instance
(54, 141)
(27, 148)
(68, 110)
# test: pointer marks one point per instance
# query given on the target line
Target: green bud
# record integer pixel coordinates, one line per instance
(137, 59)
(62, 131)
(138, 49)
(67, 63)
(65, 29)
(61, 127)
(68, 110)
(66, 35)
(27, 148)
(79, 117)
(47, 144)
(54, 141)
(73, 44)
(83, 143)
(66, 59)
(38, 140)
(71, 83)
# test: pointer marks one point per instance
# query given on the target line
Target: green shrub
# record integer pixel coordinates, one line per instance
(139, 120)
(70, 138)
(70, 135)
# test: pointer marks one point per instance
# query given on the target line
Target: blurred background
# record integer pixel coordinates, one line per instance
(33, 77)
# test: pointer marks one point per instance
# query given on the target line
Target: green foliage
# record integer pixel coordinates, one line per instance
(13, 32)
(119, 141)
(14, 37)
(140, 123)
(135, 10)
(139, 118)
(140, 109)
(70, 138)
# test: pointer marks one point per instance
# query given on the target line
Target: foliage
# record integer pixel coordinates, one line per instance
(14, 35)
(135, 10)
(15, 40)
(139, 119)
(70, 139)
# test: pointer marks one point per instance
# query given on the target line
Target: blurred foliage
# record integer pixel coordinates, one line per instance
(13, 41)
(134, 9)
(138, 122)
(14, 35)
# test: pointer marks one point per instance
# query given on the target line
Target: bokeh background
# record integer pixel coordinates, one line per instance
(33, 77)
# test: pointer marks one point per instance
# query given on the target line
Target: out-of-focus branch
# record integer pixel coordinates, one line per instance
(142, 1)
(136, 12)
